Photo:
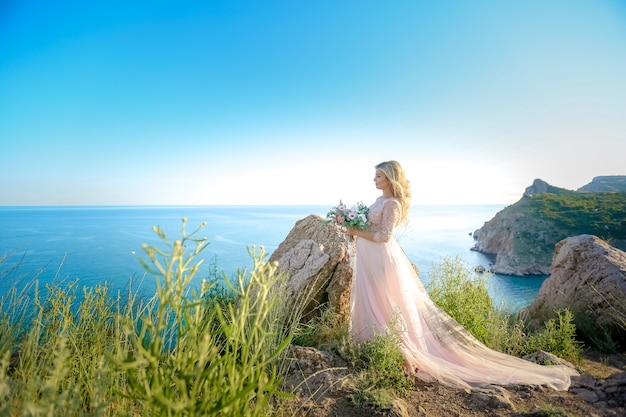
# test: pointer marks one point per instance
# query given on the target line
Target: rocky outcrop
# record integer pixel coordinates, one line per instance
(606, 183)
(499, 238)
(588, 277)
(521, 237)
(538, 187)
(518, 239)
(315, 257)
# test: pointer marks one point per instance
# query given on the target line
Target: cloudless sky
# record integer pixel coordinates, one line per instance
(294, 102)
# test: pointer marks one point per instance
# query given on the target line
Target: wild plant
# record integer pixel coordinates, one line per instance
(557, 336)
(55, 363)
(462, 295)
(187, 351)
(326, 329)
(466, 299)
(14, 316)
(604, 339)
(194, 358)
(381, 372)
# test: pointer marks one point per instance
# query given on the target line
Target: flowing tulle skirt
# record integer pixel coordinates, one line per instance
(386, 287)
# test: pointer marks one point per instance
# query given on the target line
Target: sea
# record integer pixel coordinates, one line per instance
(103, 244)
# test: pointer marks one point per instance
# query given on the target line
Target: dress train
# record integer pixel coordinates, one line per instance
(387, 287)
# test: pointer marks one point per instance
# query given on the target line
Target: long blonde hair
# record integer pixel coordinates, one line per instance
(400, 185)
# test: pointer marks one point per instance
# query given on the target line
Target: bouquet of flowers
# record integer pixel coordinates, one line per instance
(355, 216)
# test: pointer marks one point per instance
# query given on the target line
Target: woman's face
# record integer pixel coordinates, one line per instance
(381, 181)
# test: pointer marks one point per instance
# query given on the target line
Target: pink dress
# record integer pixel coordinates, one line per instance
(385, 287)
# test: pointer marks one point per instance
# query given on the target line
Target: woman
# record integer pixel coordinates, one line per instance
(386, 289)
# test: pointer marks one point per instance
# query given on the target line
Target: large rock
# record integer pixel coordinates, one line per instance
(315, 256)
(587, 276)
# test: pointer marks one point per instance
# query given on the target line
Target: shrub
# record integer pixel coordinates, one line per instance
(55, 364)
(557, 337)
(325, 329)
(384, 364)
(190, 357)
(463, 296)
(382, 374)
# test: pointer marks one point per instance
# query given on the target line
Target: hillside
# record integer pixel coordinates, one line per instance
(522, 236)
(611, 183)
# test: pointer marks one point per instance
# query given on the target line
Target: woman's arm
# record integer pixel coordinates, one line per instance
(391, 214)
(365, 234)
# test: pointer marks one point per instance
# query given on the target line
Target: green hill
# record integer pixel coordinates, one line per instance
(522, 236)
(573, 213)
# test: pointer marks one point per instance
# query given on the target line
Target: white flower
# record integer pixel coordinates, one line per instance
(355, 216)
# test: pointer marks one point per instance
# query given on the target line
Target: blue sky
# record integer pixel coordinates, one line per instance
(294, 102)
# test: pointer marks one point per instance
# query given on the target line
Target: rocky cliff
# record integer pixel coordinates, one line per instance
(607, 183)
(588, 277)
(522, 236)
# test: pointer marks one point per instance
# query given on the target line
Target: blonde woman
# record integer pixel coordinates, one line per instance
(386, 288)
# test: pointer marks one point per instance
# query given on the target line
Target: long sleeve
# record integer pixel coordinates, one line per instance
(392, 211)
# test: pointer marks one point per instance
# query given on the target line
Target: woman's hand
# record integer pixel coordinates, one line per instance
(365, 234)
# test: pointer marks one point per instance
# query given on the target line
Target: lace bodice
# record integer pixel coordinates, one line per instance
(384, 215)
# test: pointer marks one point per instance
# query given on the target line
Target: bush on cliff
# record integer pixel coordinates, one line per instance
(464, 296)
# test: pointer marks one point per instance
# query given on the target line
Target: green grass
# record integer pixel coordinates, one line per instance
(75, 351)
(327, 329)
(380, 374)
(549, 410)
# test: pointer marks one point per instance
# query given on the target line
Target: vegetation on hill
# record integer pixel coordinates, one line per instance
(530, 228)
(600, 214)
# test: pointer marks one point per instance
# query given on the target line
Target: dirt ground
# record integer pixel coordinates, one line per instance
(326, 394)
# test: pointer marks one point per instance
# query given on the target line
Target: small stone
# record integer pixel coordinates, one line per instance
(585, 381)
(492, 397)
(589, 396)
